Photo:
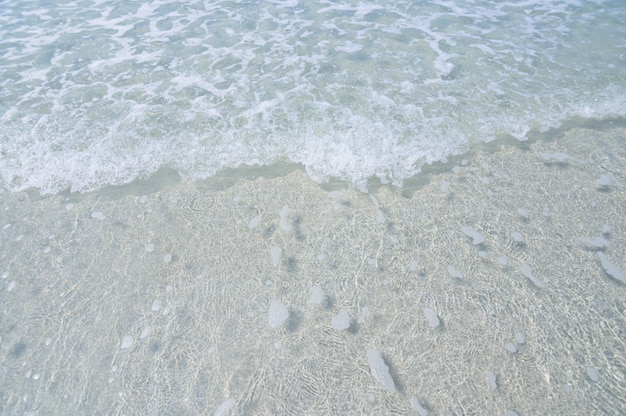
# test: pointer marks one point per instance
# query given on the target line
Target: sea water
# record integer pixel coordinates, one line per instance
(95, 93)
(482, 273)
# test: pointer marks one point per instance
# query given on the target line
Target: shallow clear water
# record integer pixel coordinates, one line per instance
(490, 284)
(97, 93)
(497, 287)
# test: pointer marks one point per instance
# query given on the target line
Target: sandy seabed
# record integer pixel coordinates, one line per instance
(493, 287)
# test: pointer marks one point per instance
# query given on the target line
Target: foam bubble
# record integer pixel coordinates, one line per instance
(146, 332)
(598, 242)
(510, 347)
(224, 408)
(277, 314)
(477, 238)
(341, 321)
(611, 269)
(284, 224)
(415, 404)
(127, 342)
(491, 380)
(380, 370)
(592, 373)
(317, 295)
(432, 317)
(558, 157)
(254, 222)
(275, 253)
(527, 271)
(604, 181)
(454, 272)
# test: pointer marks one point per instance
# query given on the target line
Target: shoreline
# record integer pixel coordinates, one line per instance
(166, 178)
(479, 289)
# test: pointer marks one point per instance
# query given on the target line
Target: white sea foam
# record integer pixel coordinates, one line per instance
(101, 98)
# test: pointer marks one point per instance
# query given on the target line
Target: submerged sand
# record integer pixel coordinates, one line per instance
(478, 290)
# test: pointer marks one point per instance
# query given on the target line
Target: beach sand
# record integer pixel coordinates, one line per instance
(489, 286)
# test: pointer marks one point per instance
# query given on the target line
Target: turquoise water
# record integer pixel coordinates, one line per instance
(94, 93)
